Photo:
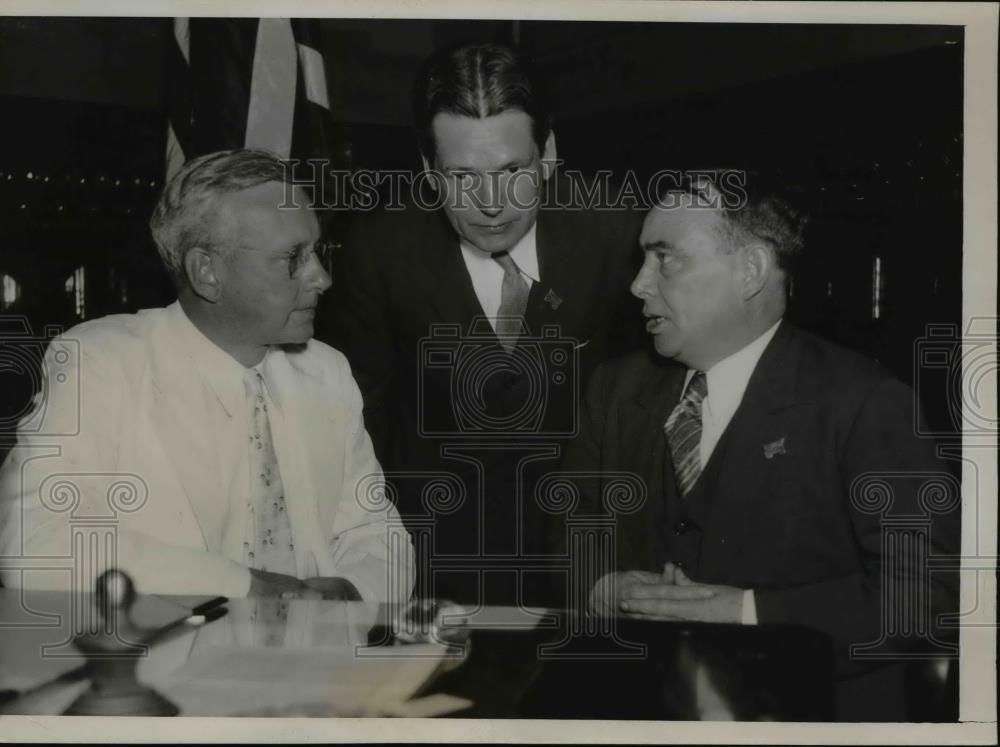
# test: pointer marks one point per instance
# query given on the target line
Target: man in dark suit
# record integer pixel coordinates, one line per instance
(473, 317)
(780, 470)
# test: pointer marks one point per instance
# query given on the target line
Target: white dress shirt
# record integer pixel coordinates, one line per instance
(487, 274)
(727, 381)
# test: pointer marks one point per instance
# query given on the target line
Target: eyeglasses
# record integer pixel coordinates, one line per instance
(323, 250)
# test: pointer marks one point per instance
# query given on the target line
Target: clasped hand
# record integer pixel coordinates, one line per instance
(669, 595)
(267, 584)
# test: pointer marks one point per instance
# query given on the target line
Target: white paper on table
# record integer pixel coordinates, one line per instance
(232, 680)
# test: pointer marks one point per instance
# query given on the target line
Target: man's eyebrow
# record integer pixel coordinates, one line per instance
(650, 246)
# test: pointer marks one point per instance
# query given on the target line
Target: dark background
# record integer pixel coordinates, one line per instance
(862, 123)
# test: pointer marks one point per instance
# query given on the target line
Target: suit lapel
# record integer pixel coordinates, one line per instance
(743, 467)
(298, 421)
(550, 302)
(644, 449)
(185, 433)
(452, 296)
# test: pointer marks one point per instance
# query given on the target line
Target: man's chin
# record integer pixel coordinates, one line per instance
(299, 337)
(501, 242)
(666, 348)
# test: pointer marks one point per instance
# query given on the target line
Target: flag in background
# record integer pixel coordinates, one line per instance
(246, 83)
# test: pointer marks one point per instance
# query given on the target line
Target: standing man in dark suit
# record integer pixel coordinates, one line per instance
(473, 317)
(776, 464)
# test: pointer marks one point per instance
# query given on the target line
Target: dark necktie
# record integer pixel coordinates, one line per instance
(513, 301)
(683, 429)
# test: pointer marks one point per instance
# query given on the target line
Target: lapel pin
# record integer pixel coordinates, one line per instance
(774, 448)
(553, 300)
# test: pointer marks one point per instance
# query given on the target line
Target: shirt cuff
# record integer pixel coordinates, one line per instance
(602, 597)
(749, 615)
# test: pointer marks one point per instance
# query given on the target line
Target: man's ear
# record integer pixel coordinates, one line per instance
(200, 268)
(758, 264)
(549, 156)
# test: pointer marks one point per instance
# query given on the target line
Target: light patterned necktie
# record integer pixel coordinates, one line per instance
(269, 545)
(513, 301)
(683, 429)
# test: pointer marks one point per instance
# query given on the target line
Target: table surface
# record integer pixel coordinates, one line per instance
(343, 658)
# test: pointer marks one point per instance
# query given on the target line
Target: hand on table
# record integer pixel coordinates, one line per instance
(674, 596)
(614, 588)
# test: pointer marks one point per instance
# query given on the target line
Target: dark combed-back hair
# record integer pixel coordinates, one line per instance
(757, 209)
(767, 216)
(184, 216)
(479, 81)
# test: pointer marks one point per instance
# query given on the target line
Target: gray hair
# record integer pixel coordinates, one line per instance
(184, 215)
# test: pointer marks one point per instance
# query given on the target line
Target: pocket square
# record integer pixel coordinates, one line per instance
(775, 447)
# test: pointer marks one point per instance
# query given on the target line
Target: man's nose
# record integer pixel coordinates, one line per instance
(640, 285)
(489, 195)
(319, 278)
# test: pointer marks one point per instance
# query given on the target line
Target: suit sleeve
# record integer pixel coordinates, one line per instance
(881, 450)
(583, 460)
(369, 544)
(63, 476)
(358, 323)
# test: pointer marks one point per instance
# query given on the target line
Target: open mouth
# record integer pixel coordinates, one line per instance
(655, 324)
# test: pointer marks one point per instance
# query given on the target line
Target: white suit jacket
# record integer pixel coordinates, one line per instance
(117, 465)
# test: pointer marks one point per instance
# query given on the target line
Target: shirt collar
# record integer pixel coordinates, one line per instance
(224, 374)
(727, 380)
(524, 253)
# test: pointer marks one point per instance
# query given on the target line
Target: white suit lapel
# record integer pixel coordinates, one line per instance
(181, 417)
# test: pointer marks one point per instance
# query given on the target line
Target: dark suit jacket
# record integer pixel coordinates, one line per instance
(399, 277)
(790, 502)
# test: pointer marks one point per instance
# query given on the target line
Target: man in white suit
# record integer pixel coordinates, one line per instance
(219, 446)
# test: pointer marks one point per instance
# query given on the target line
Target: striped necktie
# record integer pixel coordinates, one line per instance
(513, 301)
(683, 429)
